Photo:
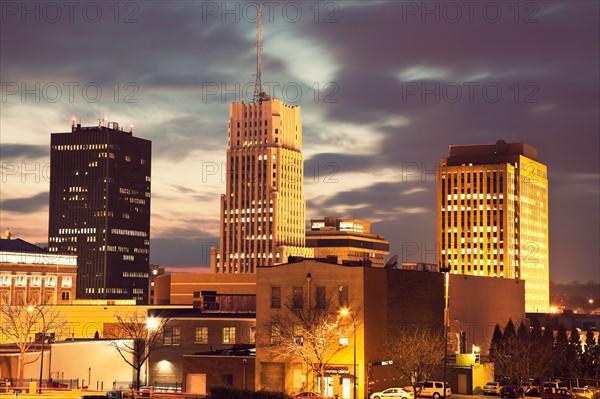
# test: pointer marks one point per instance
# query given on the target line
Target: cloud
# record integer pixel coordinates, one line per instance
(34, 203)
(23, 152)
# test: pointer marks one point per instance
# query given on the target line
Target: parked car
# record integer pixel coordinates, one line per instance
(530, 390)
(493, 388)
(311, 395)
(510, 391)
(434, 389)
(557, 393)
(583, 393)
(554, 385)
(399, 393)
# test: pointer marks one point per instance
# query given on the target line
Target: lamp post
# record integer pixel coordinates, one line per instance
(446, 271)
(346, 312)
(30, 309)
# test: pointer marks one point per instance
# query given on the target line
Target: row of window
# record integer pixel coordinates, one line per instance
(172, 335)
(298, 297)
(35, 281)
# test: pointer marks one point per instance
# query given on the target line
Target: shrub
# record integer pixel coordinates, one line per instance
(227, 392)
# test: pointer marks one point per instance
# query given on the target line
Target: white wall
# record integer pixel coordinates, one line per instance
(75, 359)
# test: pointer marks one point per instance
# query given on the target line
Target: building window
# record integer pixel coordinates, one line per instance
(65, 295)
(298, 335)
(201, 335)
(275, 297)
(67, 281)
(229, 335)
(227, 379)
(344, 341)
(21, 281)
(297, 297)
(36, 281)
(5, 280)
(321, 298)
(274, 334)
(343, 295)
(253, 334)
(171, 335)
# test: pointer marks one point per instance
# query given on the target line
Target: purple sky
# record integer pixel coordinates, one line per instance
(385, 88)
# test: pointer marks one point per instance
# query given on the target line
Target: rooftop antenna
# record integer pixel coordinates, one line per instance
(513, 136)
(259, 95)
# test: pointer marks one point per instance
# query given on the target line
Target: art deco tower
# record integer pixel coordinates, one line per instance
(493, 216)
(263, 209)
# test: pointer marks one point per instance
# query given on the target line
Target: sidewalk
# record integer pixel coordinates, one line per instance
(75, 393)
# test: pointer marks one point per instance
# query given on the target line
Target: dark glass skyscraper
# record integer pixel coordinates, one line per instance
(100, 209)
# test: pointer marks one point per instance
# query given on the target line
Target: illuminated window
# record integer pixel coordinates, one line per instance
(5, 280)
(229, 335)
(201, 335)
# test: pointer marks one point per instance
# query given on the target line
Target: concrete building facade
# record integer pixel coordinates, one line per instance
(100, 209)
(263, 209)
(493, 216)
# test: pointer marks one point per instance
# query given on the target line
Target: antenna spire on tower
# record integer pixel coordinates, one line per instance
(259, 95)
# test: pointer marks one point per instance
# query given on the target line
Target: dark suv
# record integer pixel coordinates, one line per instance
(510, 391)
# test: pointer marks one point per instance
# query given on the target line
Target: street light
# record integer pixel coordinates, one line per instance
(30, 309)
(446, 271)
(346, 312)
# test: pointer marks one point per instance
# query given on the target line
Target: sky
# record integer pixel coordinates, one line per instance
(384, 88)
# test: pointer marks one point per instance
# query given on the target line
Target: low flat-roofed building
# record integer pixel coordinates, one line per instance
(347, 239)
(179, 288)
(194, 331)
(30, 275)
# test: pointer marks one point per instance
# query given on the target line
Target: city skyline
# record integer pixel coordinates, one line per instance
(379, 103)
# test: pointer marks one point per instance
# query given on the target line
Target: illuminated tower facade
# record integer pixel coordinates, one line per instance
(493, 216)
(100, 209)
(263, 209)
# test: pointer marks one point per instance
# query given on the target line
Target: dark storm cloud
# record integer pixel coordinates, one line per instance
(11, 152)
(172, 53)
(27, 204)
(404, 213)
(342, 163)
(188, 49)
(190, 249)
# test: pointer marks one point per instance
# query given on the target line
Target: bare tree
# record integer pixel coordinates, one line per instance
(20, 323)
(416, 352)
(135, 336)
(311, 333)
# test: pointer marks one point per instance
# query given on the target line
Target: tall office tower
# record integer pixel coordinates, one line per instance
(493, 216)
(347, 239)
(262, 212)
(100, 209)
